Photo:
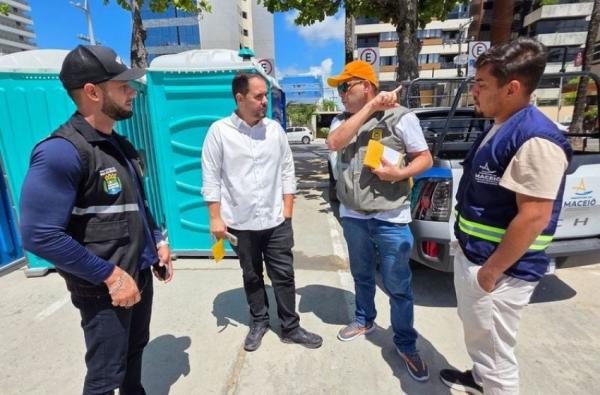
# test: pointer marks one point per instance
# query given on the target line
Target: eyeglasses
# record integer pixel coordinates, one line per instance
(345, 86)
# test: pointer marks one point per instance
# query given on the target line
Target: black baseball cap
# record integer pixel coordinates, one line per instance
(95, 64)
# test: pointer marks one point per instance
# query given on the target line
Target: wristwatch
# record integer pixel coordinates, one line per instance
(161, 243)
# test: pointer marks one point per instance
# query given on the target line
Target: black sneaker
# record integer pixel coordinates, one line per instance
(303, 337)
(462, 381)
(254, 337)
(416, 367)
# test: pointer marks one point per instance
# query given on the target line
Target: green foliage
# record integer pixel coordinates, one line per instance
(548, 2)
(161, 5)
(322, 133)
(592, 113)
(328, 105)
(299, 114)
(392, 11)
(4, 8)
(569, 98)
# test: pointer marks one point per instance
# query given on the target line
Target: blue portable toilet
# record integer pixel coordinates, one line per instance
(187, 93)
(33, 103)
(11, 251)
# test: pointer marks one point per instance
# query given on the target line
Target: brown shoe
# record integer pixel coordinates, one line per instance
(354, 330)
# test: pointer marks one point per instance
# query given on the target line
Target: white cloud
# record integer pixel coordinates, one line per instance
(323, 70)
(319, 33)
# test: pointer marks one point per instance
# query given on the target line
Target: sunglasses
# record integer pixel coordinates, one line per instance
(346, 85)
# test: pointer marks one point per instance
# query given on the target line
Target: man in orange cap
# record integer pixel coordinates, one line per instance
(375, 203)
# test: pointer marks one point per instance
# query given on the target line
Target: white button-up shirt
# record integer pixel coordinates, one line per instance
(247, 169)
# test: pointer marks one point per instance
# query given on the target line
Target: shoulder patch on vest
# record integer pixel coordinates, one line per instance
(111, 183)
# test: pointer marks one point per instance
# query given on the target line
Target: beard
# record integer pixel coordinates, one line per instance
(261, 113)
(114, 111)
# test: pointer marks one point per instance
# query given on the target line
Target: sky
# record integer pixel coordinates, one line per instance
(317, 49)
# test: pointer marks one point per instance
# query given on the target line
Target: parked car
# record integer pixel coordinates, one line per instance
(450, 132)
(299, 134)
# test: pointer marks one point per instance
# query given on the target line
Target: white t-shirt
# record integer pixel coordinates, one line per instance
(409, 130)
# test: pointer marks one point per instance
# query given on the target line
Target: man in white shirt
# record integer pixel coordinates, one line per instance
(249, 184)
(375, 204)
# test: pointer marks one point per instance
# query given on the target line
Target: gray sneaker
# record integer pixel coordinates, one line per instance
(354, 330)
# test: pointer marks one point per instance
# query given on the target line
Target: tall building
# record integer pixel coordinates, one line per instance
(562, 27)
(441, 42)
(248, 24)
(16, 28)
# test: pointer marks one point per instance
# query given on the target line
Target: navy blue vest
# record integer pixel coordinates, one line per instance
(485, 209)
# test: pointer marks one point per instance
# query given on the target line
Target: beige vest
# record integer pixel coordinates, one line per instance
(357, 187)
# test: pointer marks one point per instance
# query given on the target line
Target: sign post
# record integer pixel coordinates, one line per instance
(476, 48)
(371, 56)
(267, 65)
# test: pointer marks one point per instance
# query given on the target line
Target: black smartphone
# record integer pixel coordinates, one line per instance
(161, 270)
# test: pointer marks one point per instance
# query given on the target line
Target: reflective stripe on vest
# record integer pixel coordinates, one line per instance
(495, 235)
(119, 208)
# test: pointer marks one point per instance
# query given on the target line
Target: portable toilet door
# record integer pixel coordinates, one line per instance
(187, 93)
(11, 251)
(33, 103)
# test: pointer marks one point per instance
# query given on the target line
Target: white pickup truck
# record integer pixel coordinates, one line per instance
(450, 130)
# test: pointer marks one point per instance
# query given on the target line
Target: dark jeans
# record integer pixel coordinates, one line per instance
(274, 246)
(115, 338)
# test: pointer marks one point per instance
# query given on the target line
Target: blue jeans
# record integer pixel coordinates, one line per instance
(369, 239)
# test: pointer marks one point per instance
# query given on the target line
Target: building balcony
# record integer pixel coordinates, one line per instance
(388, 44)
(562, 39)
(559, 11)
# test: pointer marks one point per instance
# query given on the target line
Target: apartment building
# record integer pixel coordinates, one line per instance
(16, 28)
(441, 42)
(249, 24)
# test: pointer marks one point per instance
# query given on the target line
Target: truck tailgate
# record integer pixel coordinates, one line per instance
(580, 215)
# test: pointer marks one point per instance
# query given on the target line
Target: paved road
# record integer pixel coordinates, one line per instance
(200, 321)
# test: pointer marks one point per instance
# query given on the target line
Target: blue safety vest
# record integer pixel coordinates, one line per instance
(484, 209)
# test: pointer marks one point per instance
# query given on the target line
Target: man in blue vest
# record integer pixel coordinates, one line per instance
(508, 202)
(83, 209)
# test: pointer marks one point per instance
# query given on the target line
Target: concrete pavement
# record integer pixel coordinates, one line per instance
(200, 321)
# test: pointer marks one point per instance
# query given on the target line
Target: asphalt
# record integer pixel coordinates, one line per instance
(200, 321)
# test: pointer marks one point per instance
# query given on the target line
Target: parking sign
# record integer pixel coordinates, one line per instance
(267, 65)
(371, 56)
(476, 48)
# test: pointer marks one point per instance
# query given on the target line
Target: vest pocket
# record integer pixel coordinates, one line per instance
(104, 231)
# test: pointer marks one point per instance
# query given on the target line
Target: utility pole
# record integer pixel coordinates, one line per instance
(86, 10)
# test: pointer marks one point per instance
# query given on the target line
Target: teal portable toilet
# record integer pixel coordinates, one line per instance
(187, 93)
(33, 103)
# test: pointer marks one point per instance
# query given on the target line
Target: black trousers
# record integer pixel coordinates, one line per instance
(115, 338)
(274, 247)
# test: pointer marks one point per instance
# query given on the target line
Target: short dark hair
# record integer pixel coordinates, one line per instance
(240, 83)
(523, 59)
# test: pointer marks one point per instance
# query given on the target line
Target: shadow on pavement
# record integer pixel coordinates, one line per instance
(231, 308)
(327, 303)
(383, 338)
(165, 360)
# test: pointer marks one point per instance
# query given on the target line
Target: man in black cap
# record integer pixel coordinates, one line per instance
(83, 209)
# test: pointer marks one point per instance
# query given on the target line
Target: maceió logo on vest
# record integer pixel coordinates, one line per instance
(110, 181)
(487, 176)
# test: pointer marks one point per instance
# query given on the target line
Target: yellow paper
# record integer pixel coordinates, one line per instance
(374, 154)
(218, 250)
